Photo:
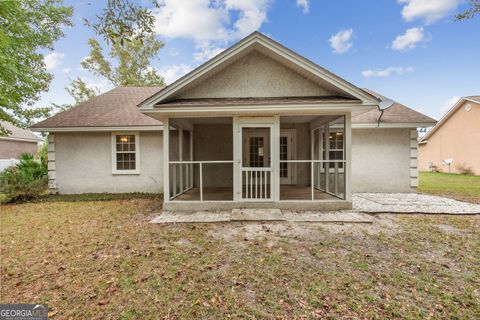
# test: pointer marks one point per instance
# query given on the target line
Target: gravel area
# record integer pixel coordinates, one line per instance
(410, 203)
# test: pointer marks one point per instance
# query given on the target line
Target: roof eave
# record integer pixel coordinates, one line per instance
(392, 125)
(267, 109)
(38, 139)
(98, 129)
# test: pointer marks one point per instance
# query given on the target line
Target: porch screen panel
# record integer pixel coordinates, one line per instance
(332, 172)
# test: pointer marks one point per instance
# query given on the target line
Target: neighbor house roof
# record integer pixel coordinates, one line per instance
(397, 113)
(115, 108)
(17, 133)
(448, 115)
(474, 98)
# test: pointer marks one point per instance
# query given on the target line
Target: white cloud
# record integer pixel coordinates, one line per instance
(427, 10)
(409, 40)
(304, 4)
(341, 41)
(173, 72)
(173, 52)
(386, 72)
(448, 104)
(206, 52)
(66, 70)
(53, 59)
(210, 24)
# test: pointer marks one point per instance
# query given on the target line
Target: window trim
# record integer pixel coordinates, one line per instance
(115, 171)
(340, 170)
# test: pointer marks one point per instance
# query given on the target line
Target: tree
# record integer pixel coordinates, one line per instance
(79, 90)
(26, 28)
(133, 60)
(470, 12)
(123, 21)
(126, 65)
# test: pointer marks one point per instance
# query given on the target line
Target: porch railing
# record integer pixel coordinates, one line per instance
(182, 175)
(256, 183)
(323, 177)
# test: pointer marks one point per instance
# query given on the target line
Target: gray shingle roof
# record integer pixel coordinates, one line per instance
(119, 108)
(396, 113)
(18, 133)
(115, 108)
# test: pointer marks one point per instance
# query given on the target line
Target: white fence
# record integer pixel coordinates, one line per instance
(5, 163)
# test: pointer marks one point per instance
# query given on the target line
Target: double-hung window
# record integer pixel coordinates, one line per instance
(125, 153)
(336, 148)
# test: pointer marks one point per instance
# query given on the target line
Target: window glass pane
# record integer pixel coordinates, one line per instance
(125, 152)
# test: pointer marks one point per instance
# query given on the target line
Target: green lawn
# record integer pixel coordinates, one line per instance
(461, 187)
(103, 260)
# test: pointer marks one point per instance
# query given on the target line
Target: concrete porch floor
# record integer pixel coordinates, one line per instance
(255, 215)
(287, 192)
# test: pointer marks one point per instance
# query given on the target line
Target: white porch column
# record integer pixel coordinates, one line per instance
(166, 160)
(327, 157)
(237, 160)
(180, 156)
(190, 183)
(348, 156)
(275, 159)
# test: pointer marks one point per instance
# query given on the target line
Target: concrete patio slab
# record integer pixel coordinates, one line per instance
(410, 203)
(262, 215)
(257, 215)
(331, 217)
(192, 217)
(363, 203)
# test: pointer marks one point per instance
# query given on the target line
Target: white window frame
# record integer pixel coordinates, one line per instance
(114, 152)
(340, 170)
(331, 170)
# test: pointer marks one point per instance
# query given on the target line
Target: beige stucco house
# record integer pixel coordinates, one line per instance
(16, 142)
(256, 126)
(456, 136)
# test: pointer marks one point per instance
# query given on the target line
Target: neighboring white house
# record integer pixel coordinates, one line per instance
(256, 126)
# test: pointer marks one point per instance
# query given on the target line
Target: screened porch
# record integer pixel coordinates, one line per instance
(261, 159)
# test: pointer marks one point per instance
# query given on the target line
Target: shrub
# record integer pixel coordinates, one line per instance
(434, 168)
(465, 170)
(28, 179)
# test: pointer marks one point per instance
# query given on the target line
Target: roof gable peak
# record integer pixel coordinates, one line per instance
(264, 44)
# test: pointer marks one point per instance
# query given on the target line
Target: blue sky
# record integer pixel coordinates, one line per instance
(409, 50)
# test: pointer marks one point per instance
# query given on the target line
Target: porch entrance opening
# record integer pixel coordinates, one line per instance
(256, 162)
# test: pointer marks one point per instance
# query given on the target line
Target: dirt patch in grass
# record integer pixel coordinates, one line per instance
(103, 260)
